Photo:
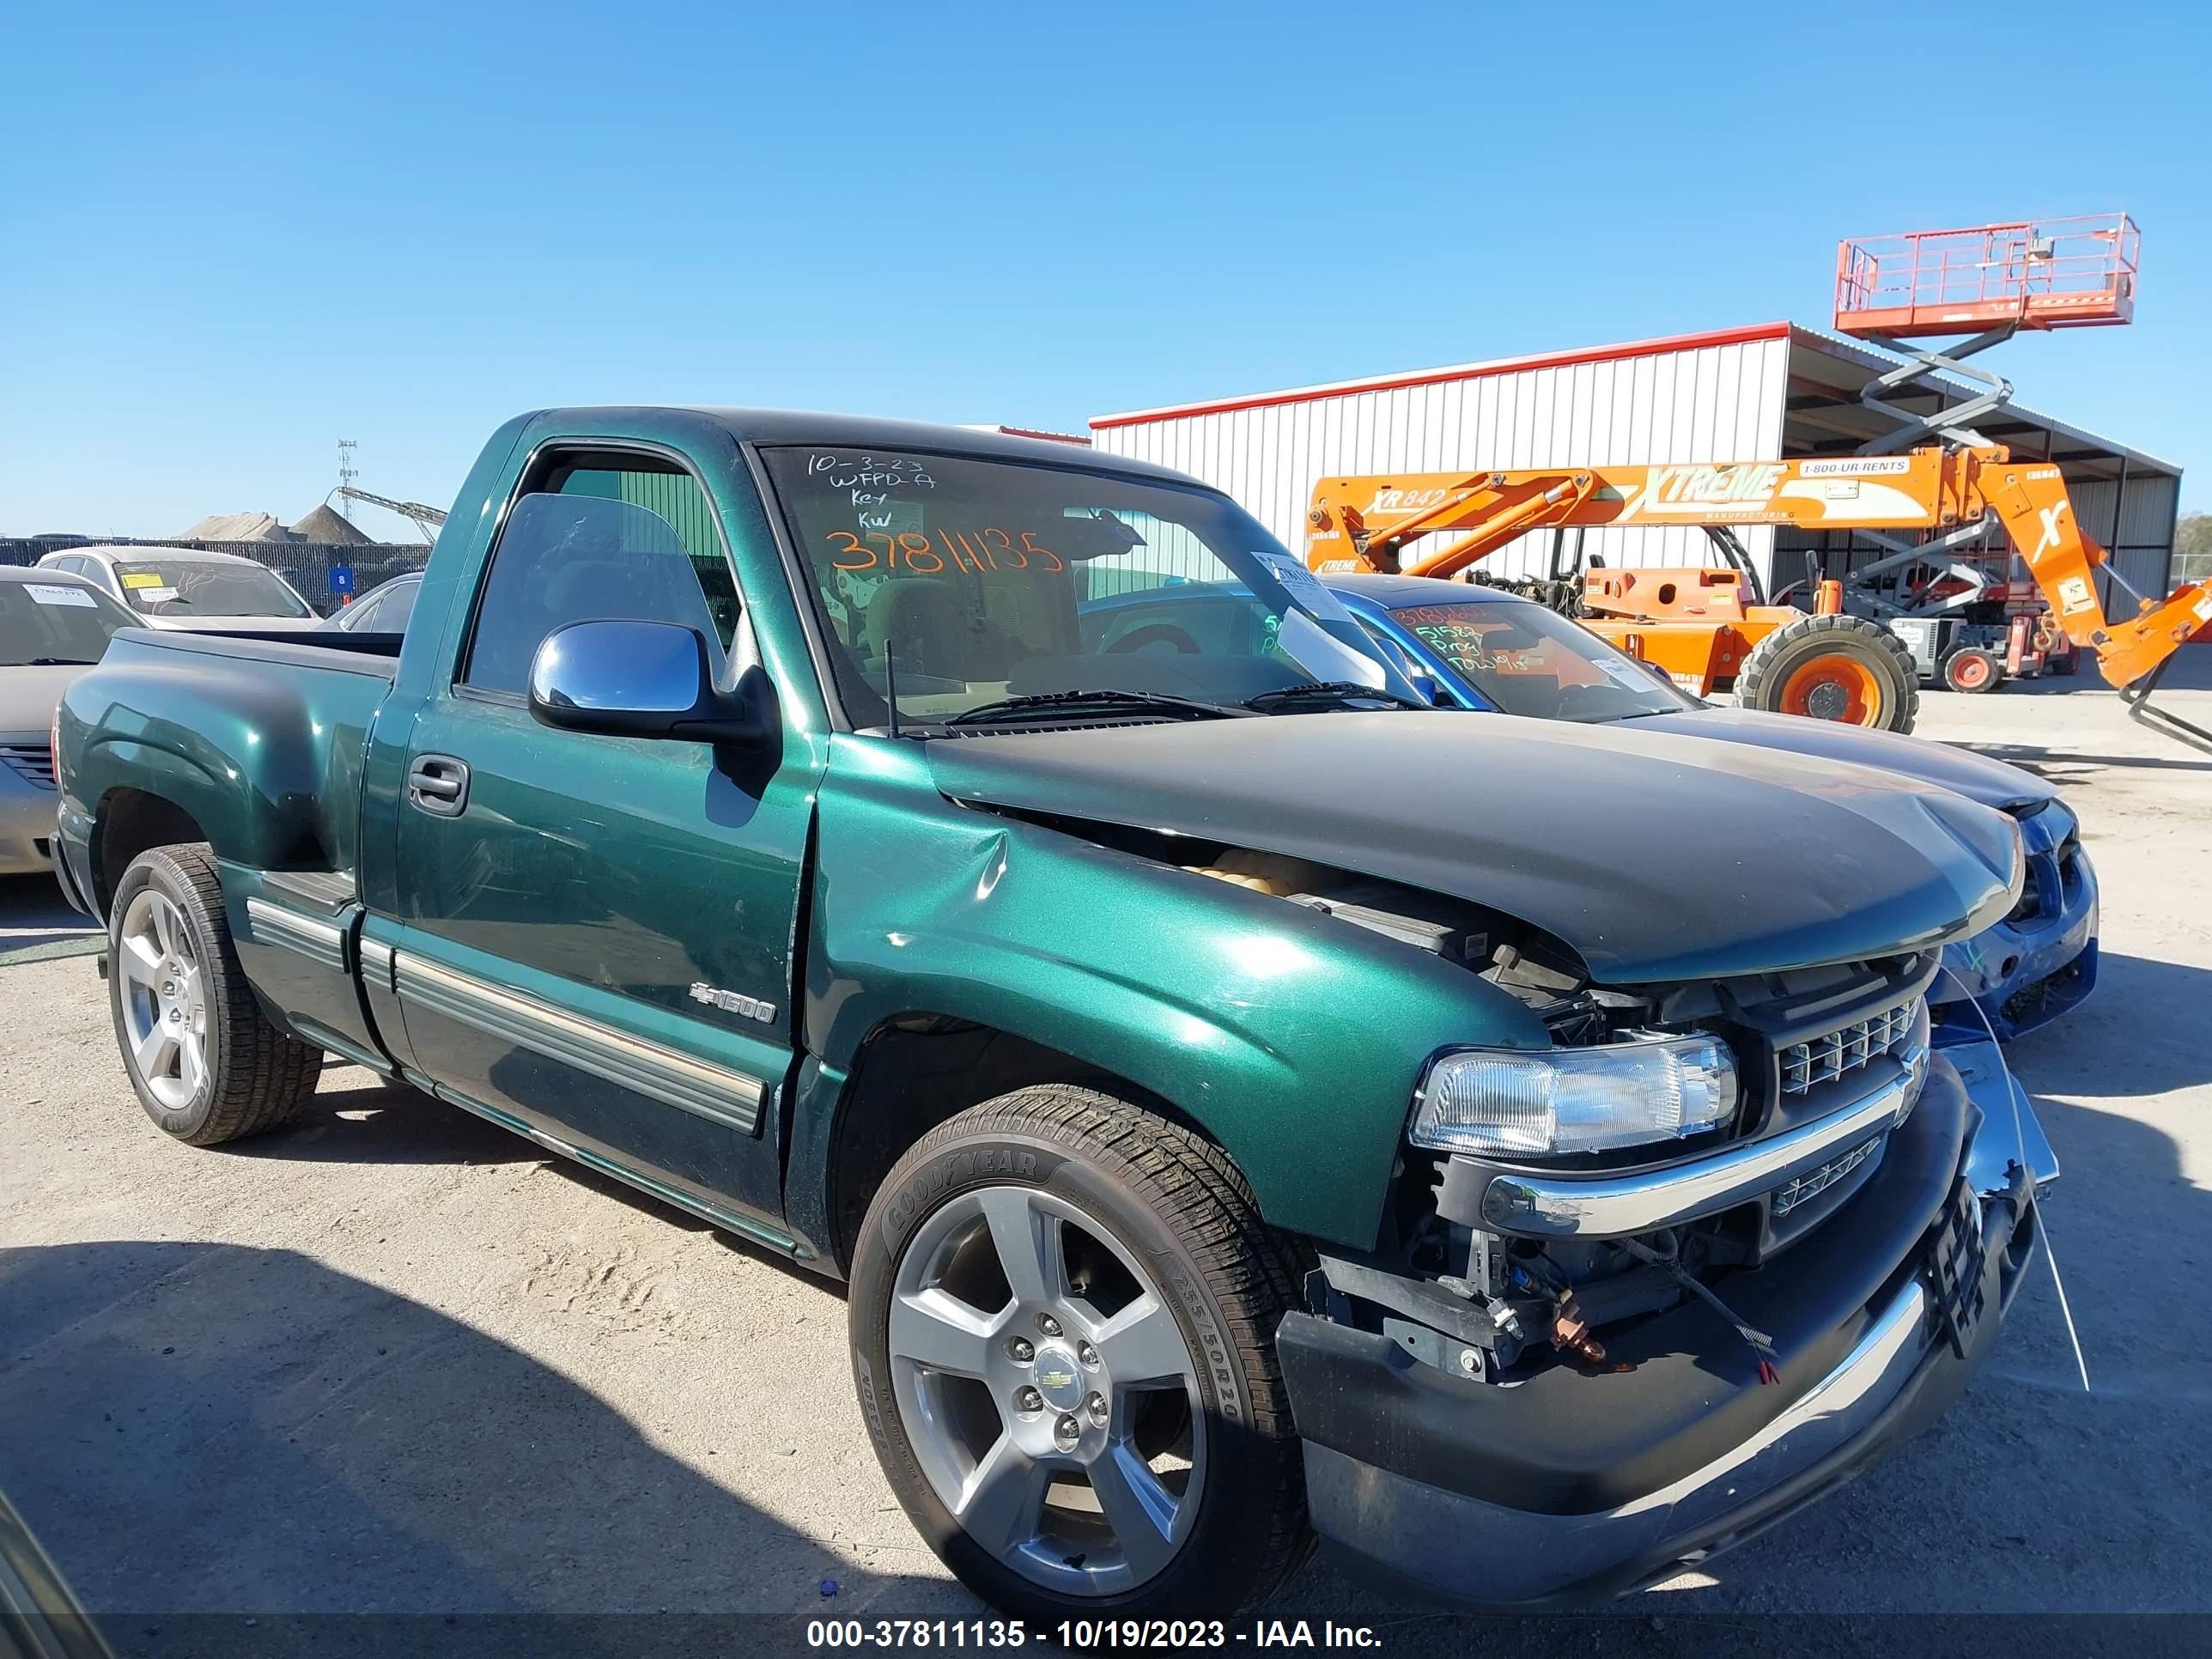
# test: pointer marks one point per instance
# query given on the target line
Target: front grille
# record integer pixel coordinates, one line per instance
(1829, 1056)
(31, 761)
(1813, 1184)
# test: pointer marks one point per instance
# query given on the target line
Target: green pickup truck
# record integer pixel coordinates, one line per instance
(1243, 1104)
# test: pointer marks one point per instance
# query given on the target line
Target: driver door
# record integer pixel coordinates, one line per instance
(597, 932)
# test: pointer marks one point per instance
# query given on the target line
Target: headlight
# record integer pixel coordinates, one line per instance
(1532, 1102)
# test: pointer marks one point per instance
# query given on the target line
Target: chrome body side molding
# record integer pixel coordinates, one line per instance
(321, 942)
(715, 1092)
(376, 963)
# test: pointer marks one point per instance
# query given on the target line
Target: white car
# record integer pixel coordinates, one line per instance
(182, 588)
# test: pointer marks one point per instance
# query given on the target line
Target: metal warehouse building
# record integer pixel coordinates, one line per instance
(1771, 391)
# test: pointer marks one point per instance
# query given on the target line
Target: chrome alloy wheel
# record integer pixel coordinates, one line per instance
(1047, 1391)
(164, 999)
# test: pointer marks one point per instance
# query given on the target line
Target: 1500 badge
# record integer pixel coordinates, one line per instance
(730, 1002)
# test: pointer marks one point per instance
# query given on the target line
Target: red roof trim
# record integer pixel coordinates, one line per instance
(1719, 337)
(1049, 437)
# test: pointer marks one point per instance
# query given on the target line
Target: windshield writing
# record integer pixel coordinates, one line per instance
(961, 582)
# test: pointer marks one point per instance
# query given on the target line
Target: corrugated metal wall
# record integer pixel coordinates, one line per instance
(1710, 403)
(2141, 538)
(677, 497)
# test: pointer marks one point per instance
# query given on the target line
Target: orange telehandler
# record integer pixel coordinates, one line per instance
(1710, 627)
(1707, 626)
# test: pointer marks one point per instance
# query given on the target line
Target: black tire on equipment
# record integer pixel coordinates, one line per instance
(1961, 665)
(257, 1077)
(1174, 1201)
(1768, 668)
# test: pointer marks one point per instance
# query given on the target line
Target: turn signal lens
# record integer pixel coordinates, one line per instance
(1506, 1102)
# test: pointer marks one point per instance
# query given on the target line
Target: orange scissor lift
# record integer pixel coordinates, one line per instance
(1924, 495)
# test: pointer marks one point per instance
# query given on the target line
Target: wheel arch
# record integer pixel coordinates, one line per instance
(129, 821)
(914, 1070)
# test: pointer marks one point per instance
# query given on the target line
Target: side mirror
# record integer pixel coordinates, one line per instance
(638, 679)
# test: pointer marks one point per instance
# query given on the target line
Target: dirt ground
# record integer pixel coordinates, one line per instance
(394, 1360)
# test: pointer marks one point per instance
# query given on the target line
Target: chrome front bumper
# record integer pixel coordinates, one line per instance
(1505, 1540)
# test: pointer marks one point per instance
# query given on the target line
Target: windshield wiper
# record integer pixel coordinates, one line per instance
(1329, 691)
(1046, 702)
(59, 662)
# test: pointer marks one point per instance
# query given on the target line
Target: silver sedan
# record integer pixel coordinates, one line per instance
(53, 625)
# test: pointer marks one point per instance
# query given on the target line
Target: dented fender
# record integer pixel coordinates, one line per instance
(1293, 1039)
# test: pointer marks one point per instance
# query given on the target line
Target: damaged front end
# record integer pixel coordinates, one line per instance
(1645, 1291)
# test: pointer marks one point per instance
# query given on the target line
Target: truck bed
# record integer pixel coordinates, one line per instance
(376, 654)
(259, 738)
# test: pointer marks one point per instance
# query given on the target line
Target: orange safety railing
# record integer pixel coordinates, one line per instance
(2052, 273)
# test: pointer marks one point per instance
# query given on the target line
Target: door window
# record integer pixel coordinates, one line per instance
(598, 539)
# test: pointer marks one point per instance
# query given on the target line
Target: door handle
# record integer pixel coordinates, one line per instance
(438, 784)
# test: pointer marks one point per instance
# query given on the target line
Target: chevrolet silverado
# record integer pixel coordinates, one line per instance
(1244, 1103)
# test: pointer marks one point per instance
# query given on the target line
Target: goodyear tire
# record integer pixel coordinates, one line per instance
(1835, 668)
(1062, 1319)
(1973, 671)
(202, 1058)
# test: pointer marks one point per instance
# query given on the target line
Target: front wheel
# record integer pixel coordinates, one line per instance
(1062, 1322)
(1845, 669)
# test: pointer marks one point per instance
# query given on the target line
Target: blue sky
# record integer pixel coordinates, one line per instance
(231, 235)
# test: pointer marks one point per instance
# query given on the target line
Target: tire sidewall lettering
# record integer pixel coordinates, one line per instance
(941, 1176)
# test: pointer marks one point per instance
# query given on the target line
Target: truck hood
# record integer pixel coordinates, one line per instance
(1654, 855)
(1977, 777)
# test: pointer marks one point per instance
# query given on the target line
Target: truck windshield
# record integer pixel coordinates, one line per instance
(203, 588)
(966, 582)
(58, 621)
(1525, 659)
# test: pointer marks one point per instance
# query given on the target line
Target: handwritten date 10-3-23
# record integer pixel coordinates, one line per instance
(927, 554)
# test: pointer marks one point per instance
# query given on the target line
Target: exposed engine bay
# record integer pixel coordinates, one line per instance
(1485, 1304)
(1531, 965)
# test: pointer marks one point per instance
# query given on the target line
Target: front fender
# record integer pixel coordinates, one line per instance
(1293, 1039)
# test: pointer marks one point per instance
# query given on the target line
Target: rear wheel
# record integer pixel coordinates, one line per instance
(206, 1064)
(1833, 668)
(1973, 670)
(1062, 1320)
